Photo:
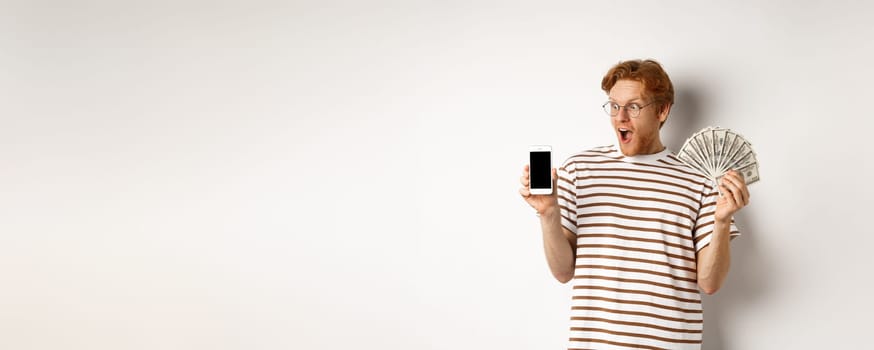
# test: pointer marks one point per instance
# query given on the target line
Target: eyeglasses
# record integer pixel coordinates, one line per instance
(633, 109)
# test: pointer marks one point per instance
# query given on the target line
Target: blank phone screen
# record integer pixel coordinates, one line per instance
(540, 171)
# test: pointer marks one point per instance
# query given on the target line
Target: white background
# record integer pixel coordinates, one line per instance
(334, 175)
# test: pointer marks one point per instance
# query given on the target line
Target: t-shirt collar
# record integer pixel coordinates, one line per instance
(642, 158)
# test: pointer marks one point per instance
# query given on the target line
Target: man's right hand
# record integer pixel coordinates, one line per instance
(541, 203)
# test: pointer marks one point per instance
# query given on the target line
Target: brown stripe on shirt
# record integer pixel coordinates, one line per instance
(699, 183)
(610, 342)
(639, 313)
(634, 228)
(644, 261)
(644, 292)
(637, 302)
(636, 198)
(635, 218)
(636, 335)
(652, 251)
(669, 167)
(636, 324)
(569, 220)
(628, 269)
(637, 239)
(704, 235)
(633, 280)
(569, 209)
(647, 189)
(636, 180)
(624, 206)
(562, 181)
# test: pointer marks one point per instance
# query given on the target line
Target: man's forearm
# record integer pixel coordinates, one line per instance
(559, 251)
(714, 260)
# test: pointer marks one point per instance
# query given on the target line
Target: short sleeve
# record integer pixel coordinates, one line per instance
(703, 230)
(567, 199)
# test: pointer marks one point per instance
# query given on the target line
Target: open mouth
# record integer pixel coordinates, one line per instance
(624, 135)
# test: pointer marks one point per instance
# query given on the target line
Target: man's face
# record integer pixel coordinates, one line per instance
(640, 135)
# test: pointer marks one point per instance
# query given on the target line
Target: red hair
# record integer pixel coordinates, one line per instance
(656, 83)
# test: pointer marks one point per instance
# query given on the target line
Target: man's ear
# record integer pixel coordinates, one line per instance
(663, 114)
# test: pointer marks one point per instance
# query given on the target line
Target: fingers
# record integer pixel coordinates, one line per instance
(734, 191)
(728, 195)
(730, 190)
(526, 176)
(525, 180)
(736, 196)
(738, 187)
(525, 192)
(555, 179)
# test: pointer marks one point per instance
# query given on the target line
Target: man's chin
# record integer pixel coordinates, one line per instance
(627, 149)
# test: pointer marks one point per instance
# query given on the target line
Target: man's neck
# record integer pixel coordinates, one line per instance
(654, 148)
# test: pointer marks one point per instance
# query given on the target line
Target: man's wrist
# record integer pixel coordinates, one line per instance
(548, 212)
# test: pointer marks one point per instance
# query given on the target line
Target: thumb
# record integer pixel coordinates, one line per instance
(554, 179)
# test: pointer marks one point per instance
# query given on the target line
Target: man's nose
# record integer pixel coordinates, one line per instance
(623, 114)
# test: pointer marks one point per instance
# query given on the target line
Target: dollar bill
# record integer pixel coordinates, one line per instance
(740, 145)
(718, 141)
(726, 149)
(747, 157)
(699, 144)
(698, 148)
(690, 159)
(750, 173)
(693, 156)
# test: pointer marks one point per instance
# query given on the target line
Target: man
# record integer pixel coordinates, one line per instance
(638, 231)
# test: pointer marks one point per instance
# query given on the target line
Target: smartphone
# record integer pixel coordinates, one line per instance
(540, 169)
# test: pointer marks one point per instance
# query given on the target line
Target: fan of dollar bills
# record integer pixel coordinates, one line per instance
(714, 151)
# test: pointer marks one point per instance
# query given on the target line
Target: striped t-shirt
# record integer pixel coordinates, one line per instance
(639, 222)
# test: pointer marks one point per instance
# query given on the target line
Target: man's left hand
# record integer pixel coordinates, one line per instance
(735, 196)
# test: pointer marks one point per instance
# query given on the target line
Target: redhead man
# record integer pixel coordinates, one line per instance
(638, 232)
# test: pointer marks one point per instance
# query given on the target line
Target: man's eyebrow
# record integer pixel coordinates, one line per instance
(636, 99)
